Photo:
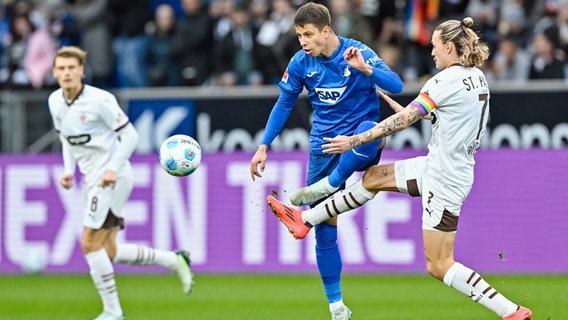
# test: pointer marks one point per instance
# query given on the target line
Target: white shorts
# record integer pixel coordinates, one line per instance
(101, 201)
(441, 202)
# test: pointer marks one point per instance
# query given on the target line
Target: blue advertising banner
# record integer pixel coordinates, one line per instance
(160, 118)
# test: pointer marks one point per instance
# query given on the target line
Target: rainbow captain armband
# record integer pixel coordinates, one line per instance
(424, 103)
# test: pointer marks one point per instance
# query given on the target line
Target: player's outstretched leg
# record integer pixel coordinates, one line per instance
(521, 314)
(177, 261)
(292, 218)
(183, 270)
(357, 159)
(341, 314)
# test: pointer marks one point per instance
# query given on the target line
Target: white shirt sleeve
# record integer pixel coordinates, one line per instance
(128, 140)
(69, 162)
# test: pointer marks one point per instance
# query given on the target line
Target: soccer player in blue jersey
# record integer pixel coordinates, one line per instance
(341, 76)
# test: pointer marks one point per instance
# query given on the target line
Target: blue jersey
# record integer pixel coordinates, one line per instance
(341, 97)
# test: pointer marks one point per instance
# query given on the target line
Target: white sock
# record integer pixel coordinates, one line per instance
(328, 187)
(354, 196)
(335, 305)
(102, 273)
(472, 285)
(138, 255)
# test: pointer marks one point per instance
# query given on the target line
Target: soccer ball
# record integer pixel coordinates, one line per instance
(180, 155)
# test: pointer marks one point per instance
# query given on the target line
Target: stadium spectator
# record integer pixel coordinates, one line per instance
(219, 12)
(419, 20)
(29, 8)
(485, 13)
(62, 25)
(161, 60)
(95, 24)
(341, 76)
(457, 101)
(129, 43)
(510, 61)
(258, 11)
(276, 40)
(405, 24)
(349, 23)
(235, 53)
(544, 63)
(391, 55)
(194, 43)
(391, 28)
(558, 32)
(26, 62)
(4, 28)
(513, 20)
(97, 136)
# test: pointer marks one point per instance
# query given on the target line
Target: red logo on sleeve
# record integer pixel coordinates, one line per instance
(285, 76)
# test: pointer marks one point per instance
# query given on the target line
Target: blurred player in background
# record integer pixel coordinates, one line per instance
(341, 76)
(457, 101)
(97, 136)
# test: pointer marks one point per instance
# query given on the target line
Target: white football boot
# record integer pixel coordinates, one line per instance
(308, 195)
(342, 313)
(183, 270)
(108, 316)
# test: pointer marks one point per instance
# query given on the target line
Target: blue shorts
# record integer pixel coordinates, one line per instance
(321, 165)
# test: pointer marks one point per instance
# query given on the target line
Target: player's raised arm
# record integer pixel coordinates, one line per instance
(395, 123)
(368, 63)
(397, 107)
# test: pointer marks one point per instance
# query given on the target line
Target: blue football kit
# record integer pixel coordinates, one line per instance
(345, 102)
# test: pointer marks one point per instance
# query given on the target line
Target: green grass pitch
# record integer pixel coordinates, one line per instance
(272, 297)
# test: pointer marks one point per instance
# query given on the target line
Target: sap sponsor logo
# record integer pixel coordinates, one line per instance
(330, 95)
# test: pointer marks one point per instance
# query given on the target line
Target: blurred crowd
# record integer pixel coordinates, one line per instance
(147, 43)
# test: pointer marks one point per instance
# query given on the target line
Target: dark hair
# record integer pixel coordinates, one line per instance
(471, 51)
(313, 13)
(22, 16)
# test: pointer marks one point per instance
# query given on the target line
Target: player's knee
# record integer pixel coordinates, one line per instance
(364, 126)
(436, 270)
(368, 149)
(89, 244)
(380, 178)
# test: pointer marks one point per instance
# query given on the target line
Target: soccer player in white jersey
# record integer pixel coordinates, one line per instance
(457, 102)
(97, 136)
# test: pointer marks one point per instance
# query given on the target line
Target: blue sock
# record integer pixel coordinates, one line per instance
(329, 260)
(354, 159)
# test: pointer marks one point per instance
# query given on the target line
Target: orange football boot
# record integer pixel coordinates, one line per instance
(290, 217)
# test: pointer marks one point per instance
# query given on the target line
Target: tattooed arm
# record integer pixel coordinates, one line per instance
(396, 107)
(395, 123)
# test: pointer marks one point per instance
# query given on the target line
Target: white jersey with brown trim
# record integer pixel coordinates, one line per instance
(89, 124)
(461, 95)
